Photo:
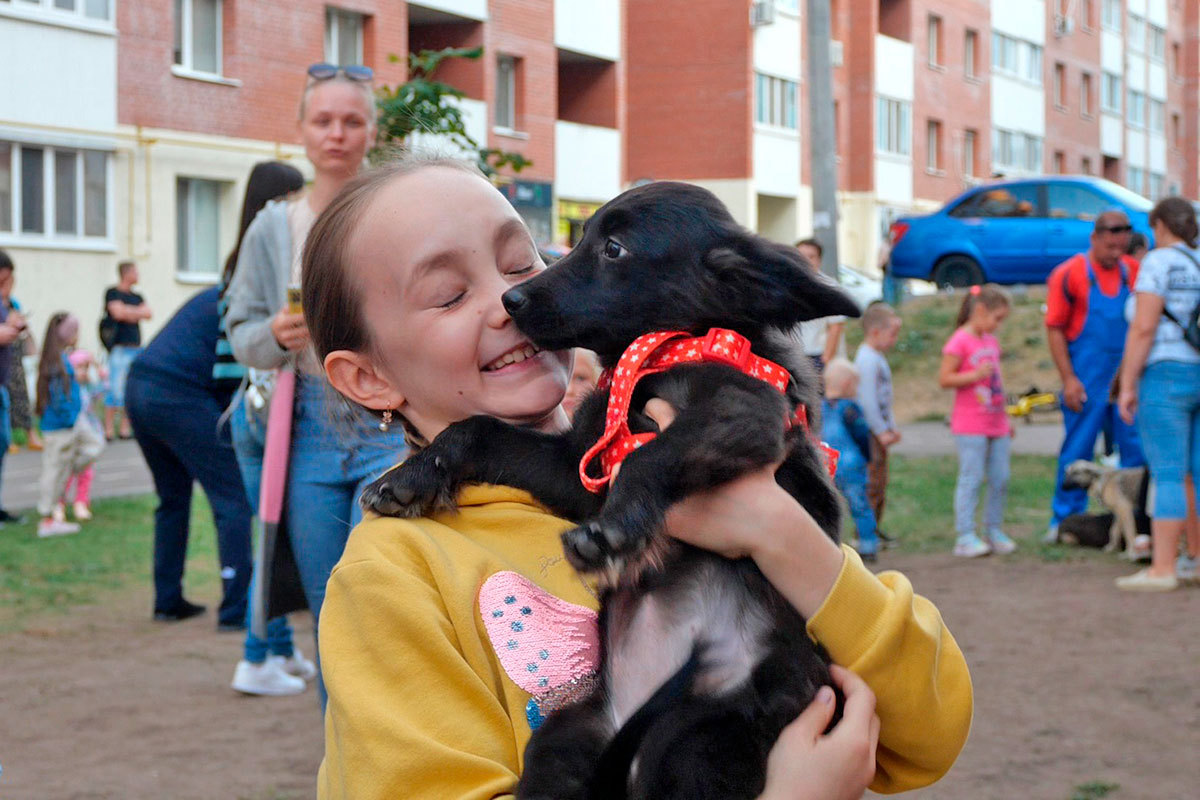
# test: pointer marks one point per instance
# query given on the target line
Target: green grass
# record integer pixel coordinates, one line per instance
(1092, 790)
(113, 552)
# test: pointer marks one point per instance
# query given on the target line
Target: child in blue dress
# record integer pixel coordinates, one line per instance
(845, 429)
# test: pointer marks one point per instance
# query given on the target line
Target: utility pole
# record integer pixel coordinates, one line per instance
(821, 145)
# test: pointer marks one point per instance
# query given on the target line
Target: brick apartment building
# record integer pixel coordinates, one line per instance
(132, 124)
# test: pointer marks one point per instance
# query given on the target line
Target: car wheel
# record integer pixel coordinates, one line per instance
(957, 272)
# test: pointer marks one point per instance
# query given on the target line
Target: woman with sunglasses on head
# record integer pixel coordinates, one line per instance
(325, 476)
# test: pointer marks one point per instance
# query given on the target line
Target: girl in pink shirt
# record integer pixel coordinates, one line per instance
(971, 366)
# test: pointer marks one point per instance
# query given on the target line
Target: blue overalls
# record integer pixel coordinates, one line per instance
(1095, 357)
(845, 430)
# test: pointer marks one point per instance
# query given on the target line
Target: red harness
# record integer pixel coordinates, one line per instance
(658, 352)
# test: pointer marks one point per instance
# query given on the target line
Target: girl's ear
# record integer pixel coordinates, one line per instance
(354, 376)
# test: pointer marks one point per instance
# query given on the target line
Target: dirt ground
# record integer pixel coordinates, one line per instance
(1076, 685)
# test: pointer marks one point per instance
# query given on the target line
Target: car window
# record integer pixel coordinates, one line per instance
(1076, 202)
(1000, 201)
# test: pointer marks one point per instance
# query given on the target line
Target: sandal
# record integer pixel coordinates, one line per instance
(1143, 581)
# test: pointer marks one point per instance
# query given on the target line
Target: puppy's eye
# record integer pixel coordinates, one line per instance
(613, 249)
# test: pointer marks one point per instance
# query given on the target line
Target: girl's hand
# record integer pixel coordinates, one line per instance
(1127, 403)
(984, 370)
(808, 764)
(289, 330)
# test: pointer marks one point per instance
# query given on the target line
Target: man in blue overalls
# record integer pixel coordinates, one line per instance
(1086, 326)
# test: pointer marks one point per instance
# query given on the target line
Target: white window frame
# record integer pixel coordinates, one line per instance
(933, 41)
(1156, 113)
(1157, 47)
(1135, 35)
(1110, 15)
(1111, 92)
(1017, 151)
(186, 56)
(933, 146)
(1136, 109)
(1135, 179)
(335, 18)
(970, 139)
(780, 107)
(49, 237)
(191, 274)
(76, 17)
(970, 53)
(894, 122)
(1060, 85)
(506, 85)
(1155, 182)
(1086, 79)
(1033, 63)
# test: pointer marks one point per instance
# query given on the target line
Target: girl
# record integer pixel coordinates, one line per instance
(1163, 369)
(337, 125)
(88, 374)
(428, 698)
(971, 366)
(71, 443)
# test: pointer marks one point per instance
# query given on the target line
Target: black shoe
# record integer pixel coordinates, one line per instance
(15, 519)
(886, 540)
(184, 610)
(868, 558)
(230, 627)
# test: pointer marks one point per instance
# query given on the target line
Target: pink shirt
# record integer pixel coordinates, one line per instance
(978, 407)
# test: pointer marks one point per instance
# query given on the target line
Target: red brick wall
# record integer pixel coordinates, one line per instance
(689, 68)
(1181, 160)
(267, 44)
(1190, 109)
(461, 73)
(524, 29)
(855, 24)
(947, 95)
(1068, 130)
(587, 93)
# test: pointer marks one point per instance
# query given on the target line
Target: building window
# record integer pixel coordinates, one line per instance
(1176, 129)
(53, 192)
(343, 37)
(1085, 165)
(506, 93)
(1087, 14)
(1060, 162)
(1110, 93)
(1176, 61)
(1111, 14)
(1033, 62)
(893, 126)
(1158, 116)
(934, 41)
(1136, 180)
(65, 9)
(1019, 151)
(1085, 94)
(1060, 85)
(1136, 36)
(198, 227)
(1154, 187)
(970, 53)
(968, 154)
(775, 101)
(1137, 109)
(1158, 44)
(1017, 57)
(933, 146)
(198, 35)
(1004, 53)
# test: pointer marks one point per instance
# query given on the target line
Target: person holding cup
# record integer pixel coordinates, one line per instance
(267, 331)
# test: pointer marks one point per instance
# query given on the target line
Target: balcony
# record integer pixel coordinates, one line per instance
(592, 28)
(441, 11)
(587, 161)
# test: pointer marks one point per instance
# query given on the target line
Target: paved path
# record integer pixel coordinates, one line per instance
(935, 439)
(120, 471)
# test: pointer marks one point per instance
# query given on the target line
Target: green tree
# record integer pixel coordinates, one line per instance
(424, 105)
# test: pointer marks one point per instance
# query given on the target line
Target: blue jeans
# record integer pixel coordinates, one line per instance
(249, 440)
(852, 483)
(980, 458)
(1168, 420)
(336, 452)
(120, 359)
(5, 423)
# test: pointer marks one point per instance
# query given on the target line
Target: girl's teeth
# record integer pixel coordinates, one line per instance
(515, 357)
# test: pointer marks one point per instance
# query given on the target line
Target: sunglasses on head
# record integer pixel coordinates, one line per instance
(1116, 229)
(356, 72)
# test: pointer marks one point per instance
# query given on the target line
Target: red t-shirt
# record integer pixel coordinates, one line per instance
(1068, 288)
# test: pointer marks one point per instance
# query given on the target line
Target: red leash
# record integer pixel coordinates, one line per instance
(658, 352)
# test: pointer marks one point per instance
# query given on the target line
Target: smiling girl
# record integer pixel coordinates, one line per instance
(446, 639)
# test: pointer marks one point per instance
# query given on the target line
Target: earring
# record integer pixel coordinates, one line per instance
(386, 422)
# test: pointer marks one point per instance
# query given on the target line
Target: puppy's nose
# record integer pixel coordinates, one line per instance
(515, 301)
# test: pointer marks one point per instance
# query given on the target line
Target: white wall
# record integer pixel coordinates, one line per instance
(1018, 105)
(1156, 12)
(1135, 7)
(893, 68)
(475, 122)
(1156, 81)
(776, 162)
(587, 161)
(1112, 135)
(475, 9)
(58, 76)
(894, 179)
(589, 26)
(1024, 19)
(777, 48)
(1158, 153)
(1135, 75)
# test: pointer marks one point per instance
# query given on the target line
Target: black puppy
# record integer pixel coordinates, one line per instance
(703, 662)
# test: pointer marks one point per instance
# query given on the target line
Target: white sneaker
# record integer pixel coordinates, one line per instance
(297, 665)
(59, 514)
(51, 527)
(971, 546)
(1051, 535)
(81, 511)
(267, 679)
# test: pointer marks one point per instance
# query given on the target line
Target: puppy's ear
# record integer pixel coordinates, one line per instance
(776, 284)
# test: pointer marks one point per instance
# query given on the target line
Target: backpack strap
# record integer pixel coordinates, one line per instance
(1166, 311)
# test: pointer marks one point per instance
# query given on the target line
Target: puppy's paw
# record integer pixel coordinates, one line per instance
(417, 488)
(601, 544)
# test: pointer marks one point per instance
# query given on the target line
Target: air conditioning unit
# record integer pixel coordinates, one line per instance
(836, 53)
(1063, 25)
(762, 13)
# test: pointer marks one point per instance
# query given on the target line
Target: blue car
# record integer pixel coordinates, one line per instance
(1013, 231)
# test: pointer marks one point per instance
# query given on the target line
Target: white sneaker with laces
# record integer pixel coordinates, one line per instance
(81, 511)
(52, 527)
(266, 679)
(971, 546)
(298, 665)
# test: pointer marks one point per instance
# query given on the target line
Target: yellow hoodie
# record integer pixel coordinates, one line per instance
(429, 632)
